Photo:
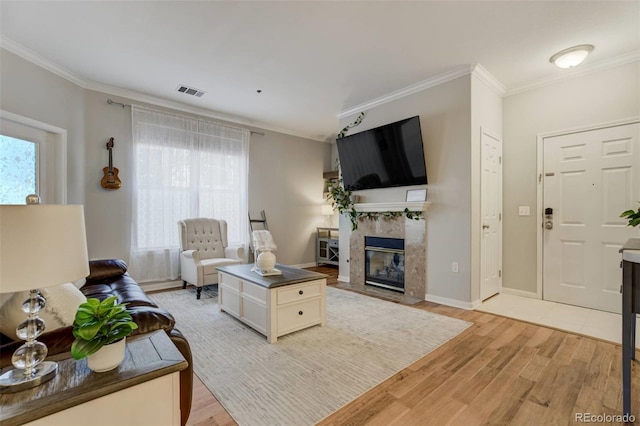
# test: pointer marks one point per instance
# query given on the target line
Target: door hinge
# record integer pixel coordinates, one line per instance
(500, 273)
(500, 160)
(540, 177)
(621, 263)
(499, 216)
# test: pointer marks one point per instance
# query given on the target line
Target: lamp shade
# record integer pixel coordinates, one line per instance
(41, 246)
(262, 240)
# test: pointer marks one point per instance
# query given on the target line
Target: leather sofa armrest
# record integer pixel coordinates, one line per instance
(58, 341)
(186, 375)
(234, 252)
(148, 318)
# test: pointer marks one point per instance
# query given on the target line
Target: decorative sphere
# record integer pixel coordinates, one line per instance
(29, 355)
(32, 199)
(266, 261)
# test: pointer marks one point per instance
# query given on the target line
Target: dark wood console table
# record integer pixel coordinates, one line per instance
(143, 390)
(630, 307)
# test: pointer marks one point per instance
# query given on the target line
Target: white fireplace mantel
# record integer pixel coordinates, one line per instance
(399, 206)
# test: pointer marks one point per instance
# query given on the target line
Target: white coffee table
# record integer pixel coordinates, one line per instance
(273, 305)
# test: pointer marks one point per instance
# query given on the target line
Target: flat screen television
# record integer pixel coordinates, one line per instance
(387, 156)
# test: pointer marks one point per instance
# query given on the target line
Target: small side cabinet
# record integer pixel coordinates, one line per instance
(327, 250)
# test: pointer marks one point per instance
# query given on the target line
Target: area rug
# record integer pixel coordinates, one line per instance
(309, 374)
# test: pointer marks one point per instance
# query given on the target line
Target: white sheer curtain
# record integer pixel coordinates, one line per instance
(183, 168)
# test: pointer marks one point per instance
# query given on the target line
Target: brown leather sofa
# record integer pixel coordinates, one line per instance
(109, 278)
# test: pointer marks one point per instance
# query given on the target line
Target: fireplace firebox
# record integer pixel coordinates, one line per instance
(384, 262)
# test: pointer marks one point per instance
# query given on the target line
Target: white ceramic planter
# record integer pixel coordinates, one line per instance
(266, 261)
(107, 357)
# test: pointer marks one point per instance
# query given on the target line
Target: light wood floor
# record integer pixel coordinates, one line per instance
(499, 371)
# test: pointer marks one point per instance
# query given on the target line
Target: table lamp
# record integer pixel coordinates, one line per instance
(40, 246)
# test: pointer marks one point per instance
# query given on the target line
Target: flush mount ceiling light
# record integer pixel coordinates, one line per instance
(569, 58)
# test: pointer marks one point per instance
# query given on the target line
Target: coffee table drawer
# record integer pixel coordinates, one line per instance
(298, 316)
(299, 292)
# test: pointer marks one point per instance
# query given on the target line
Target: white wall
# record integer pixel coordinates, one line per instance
(445, 118)
(35, 93)
(285, 177)
(595, 98)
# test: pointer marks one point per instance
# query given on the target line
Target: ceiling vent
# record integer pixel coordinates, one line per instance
(190, 91)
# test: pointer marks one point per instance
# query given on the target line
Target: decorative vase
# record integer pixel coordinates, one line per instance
(266, 261)
(107, 357)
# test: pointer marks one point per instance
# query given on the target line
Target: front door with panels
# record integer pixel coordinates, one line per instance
(589, 179)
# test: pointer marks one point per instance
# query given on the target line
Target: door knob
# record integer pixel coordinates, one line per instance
(548, 224)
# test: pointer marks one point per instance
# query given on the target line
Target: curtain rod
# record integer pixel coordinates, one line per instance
(112, 102)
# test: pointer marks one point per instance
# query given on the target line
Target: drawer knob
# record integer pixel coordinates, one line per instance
(301, 292)
(300, 312)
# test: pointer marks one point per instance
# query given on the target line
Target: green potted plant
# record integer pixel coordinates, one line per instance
(633, 216)
(100, 329)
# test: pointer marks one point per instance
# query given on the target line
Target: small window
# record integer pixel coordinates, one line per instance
(18, 169)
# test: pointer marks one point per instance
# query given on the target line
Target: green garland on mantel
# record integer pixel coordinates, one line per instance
(342, 199)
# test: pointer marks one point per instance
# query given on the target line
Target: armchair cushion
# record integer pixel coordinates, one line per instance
(210, 265)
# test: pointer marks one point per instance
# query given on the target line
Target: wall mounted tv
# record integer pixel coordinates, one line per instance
(387, 156)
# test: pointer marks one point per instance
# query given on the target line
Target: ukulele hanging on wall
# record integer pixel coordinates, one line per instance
(110, 179)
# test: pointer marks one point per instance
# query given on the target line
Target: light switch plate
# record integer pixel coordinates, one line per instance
(524, 211)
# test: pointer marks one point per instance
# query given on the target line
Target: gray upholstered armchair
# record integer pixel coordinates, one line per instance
(204, 247)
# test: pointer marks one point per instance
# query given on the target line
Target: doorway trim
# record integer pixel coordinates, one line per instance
(540, 186)
(58, 151)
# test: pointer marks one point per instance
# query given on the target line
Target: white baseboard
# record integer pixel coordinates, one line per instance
(343, 278)
(305, 265)
(522, 293)
(452, 302)
(164, 285)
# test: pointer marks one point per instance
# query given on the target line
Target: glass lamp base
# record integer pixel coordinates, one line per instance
(14, 380)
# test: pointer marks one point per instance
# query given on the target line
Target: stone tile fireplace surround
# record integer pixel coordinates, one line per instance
(415, 245)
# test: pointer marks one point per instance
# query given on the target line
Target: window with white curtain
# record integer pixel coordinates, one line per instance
(183, 168)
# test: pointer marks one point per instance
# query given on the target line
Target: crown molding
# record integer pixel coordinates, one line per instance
(606, 64)
(178, 106)
(409, 90)
(487, 78)
(42, 62)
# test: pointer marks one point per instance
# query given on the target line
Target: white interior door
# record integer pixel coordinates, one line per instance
(491, 207)
(589, 179)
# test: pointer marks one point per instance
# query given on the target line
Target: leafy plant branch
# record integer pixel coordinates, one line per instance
(633, 216)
